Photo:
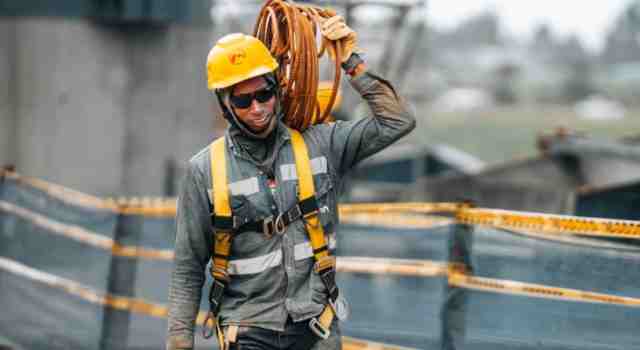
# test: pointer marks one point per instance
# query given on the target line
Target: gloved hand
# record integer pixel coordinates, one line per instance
(335, 28)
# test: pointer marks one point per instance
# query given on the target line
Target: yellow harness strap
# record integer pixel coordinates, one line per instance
(222, 246)
(312, 222)
(307, 190)
(222, 238)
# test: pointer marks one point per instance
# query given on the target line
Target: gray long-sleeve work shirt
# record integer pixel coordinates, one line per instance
(273, 278)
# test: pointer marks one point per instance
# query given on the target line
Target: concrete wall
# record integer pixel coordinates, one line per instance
(100, 108)
(7, 82)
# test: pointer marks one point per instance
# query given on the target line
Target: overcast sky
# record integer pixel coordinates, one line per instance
(590, 19)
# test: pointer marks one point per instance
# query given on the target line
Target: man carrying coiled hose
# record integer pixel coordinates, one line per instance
(261, 203)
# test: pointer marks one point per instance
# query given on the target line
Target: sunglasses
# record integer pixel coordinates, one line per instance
(244, 100)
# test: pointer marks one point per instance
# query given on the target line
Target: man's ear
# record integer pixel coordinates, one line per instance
(223, 98)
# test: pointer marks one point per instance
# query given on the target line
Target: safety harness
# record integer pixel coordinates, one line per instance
(226, 226)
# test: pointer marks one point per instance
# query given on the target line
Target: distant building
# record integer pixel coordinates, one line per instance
(622, 43)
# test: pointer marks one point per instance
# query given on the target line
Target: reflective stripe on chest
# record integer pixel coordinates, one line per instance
(303, 170)
(318, 166)
(225, 224)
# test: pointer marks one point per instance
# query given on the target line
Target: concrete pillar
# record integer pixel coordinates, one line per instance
(72, 82)
(7, 91)
(169, 115)
(197, 119)
(104, 109)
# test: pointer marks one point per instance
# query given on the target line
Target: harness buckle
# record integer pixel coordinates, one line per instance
(271, 226)
(215, 295)
(318, 329)
(268, 226)
(294, 213)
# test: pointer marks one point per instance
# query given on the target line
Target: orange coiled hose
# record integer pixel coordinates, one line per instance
(289, 31)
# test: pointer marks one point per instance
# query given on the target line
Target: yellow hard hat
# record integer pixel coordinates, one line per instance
(237, 57)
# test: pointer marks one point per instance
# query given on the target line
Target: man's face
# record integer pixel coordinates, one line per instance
(257, 115)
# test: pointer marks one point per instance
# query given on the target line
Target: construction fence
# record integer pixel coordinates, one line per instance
(80, 272)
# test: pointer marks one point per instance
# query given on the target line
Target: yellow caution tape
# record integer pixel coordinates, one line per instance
(85, 236)
(162, 207)
(386, 266)
(536, 290)
(504, 219)
(147, 206)
(349, 343)
(518, 221)
(137, 305)
(63, 193)
(167, 207)
(394, 220)
(551, 224)
(82, 291)
(456, 278)
(416, 208)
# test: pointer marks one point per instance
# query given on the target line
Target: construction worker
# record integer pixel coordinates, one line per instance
(271, 289)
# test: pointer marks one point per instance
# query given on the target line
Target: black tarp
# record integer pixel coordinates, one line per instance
(616, 202)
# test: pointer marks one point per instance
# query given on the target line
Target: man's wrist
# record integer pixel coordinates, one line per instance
(354, 65)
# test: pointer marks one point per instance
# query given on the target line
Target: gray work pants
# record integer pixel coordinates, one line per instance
(296, 336)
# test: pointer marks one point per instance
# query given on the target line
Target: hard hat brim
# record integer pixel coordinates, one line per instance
(233, 80)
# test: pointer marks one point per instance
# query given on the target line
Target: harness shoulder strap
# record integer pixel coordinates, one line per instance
(218, 159)
(307, 192)
(222, 237)
(325, 264)
(222, 210)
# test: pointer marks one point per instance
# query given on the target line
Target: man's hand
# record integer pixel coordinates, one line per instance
(336, 29)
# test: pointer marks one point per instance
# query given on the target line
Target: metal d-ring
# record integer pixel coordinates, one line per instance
(279, 226)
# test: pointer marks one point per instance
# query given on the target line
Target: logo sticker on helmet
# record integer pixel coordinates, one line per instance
(237, 57)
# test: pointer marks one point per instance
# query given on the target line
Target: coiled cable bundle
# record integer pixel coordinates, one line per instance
(289, 31)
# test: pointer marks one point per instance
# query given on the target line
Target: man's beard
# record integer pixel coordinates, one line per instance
(262, 134)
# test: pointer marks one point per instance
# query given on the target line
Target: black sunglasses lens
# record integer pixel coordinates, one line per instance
(241, 101)
(264, 95)
(244, 100)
